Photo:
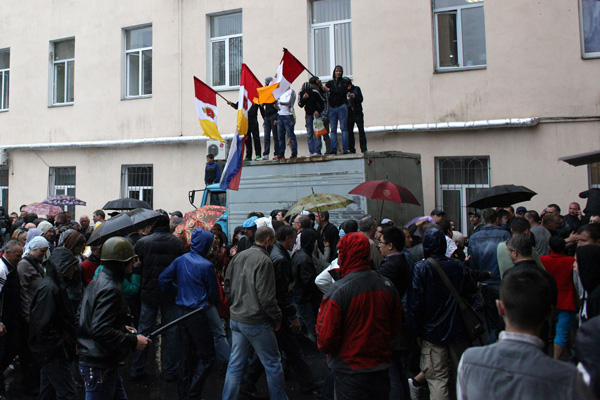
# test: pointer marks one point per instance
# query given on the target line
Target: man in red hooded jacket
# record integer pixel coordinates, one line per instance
(359, 316)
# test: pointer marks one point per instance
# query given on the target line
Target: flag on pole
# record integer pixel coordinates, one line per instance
(289, 69)
(232, 172)
(206, 105)
(248, 95)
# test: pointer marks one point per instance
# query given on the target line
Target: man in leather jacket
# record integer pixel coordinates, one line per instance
(103, 338)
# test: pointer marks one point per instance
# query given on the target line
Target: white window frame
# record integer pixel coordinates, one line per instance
(226, 39)
(585, 55)
(55, 64)
(331, 25)
(460, 187)
(140, 51)
(126, 187)
(457, 10)
(3, 189)
(4, 76)
(54, 189)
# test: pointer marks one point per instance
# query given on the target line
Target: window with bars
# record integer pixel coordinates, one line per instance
(459, 34)
(4, 78)
(331, 36)
(138, 62)
(62, 181)
(137, 182)
(226, 49)
(458, 180)
(594, 175)
(4, 188)
(63, 64)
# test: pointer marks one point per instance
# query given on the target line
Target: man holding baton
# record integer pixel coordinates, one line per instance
(103, 338)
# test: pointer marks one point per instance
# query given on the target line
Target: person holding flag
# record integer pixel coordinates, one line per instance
(248, 95)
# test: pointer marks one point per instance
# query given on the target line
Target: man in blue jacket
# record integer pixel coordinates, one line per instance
(197, 287)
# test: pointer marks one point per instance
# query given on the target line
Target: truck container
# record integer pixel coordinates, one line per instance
(276, 185)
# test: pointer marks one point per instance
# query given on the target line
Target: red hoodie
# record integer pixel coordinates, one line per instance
(360, 314)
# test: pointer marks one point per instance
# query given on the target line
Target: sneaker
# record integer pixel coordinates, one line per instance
(258, 158)
(279, 158)
(333, 153)
(247, 159)
(345, 151)
(265, 158)
(413, 389)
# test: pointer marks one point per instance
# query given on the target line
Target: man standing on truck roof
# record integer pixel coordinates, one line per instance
(212, 172)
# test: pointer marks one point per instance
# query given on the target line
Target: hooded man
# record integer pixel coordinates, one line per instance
(52, 335)
(434, 314)
(197, 287)
(359, 316)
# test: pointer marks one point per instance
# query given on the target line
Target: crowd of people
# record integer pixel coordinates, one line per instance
(338, 101)
(383, 301)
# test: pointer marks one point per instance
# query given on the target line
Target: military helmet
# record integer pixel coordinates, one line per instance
(117, 249)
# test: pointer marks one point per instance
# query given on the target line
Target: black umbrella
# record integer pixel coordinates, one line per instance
(501, 196)
(122, 225)
(126, 204)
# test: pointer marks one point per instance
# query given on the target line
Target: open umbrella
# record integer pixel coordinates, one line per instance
(319, 202)
(126, 204)
(63, 200)
(385, 190)
(501, 196)
(43, 209)
(204, 217)
(122, 225)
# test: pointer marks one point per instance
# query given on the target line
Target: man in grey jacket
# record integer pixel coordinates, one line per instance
(516, 367)
(255, 315)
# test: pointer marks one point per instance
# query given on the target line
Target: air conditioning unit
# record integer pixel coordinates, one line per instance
(3, 157)
(217, 149)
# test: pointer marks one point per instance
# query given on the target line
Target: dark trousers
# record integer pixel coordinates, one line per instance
(362, 386)
(198, 354)
(362, 137)
(102, 383)
(29, 367)
(56, 381)
(289, 345)
(9, 348)
(253, 136)
(491, 293)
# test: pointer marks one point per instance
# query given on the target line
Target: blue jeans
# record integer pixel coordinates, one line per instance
(339, 114)
(222, 347)
(262, 338)
(271, 126)
(285, 126)
(314, 143)
(148, 316)
(56, 381)
(102, 383)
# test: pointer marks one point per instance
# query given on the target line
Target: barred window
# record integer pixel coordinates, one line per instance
(137, 182)
(4, 188)
(594, 175)
(62, 181)
(458, 180)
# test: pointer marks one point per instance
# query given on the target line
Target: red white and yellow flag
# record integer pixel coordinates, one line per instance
(289, 69)
(206, 105)
(249, 85)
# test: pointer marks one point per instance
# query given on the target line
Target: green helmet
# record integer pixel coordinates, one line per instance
(117, 249)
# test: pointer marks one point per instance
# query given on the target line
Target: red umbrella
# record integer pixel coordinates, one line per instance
(204, 217)
(385, 190)
(43, 209)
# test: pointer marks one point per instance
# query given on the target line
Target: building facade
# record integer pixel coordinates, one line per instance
(97, 98)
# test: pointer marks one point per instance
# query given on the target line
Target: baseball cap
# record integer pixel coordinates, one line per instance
(521, 210)
(438, 211)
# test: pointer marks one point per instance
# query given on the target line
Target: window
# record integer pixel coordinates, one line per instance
(136, 182)
(138, 62)
(594, 175)
(460, 34)
(63, 71)
(331, 36)
(458, 180)
(226, 49)
(589, 15)
(4, 74)
(4, 188)
(62, 181)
